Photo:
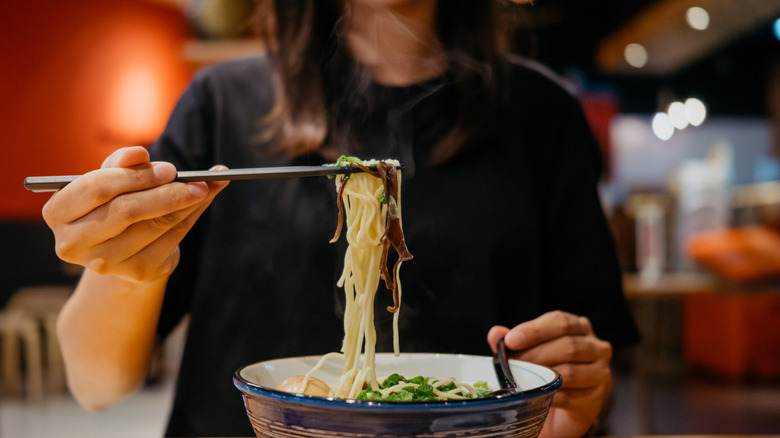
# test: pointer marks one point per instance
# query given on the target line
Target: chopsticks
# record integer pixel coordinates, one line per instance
(53, 183)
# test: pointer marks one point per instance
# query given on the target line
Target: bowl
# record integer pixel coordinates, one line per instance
(276, 414)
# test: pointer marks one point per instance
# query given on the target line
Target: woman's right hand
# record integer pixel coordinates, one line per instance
(127, 218)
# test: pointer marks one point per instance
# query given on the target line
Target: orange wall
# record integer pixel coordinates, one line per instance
(79, 79)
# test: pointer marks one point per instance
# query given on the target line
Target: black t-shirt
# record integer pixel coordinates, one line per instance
(499, 235)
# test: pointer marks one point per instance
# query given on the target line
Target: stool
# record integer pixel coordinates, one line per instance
(42, 305)
(16, 328)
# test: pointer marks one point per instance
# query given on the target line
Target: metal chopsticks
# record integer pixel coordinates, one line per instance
(53, 183)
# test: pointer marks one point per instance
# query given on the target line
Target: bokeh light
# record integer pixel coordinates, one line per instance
(698, 18)
(636, 55)
(695, 111)
(777, 28)
(677, 115)
(662, 126)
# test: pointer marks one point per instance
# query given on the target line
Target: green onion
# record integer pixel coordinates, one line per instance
(418, 390)
(448, 387)
(424, 391)
(369, 394)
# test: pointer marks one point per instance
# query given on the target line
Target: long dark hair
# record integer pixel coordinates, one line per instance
(312, 74)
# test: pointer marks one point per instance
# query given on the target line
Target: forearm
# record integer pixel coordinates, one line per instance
(107, 332)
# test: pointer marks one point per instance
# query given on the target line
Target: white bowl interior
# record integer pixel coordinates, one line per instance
(464, 368)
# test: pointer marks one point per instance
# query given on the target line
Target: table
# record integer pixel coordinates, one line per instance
(672, 285)
(677, 436)
(659, 314)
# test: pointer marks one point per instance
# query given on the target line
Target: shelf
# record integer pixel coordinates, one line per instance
(206, 52)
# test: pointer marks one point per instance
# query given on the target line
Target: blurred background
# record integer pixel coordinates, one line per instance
(683, 96)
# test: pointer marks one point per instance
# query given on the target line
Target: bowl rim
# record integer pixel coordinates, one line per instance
(246, 386)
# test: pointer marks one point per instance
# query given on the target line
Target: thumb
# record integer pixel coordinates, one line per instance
(496, 333)
(127, 157)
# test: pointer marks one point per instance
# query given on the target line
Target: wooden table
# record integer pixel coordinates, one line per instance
(671, 285)
(657, 310)
(676, 285)
(676, 436)
(655, 307)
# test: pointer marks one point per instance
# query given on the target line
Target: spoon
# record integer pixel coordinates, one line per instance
(504, 374)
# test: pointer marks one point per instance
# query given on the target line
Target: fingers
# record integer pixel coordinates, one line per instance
(112, 218)
(148, 249)
(125, 170)
(160, 248)
(583, 375)
(107, 253)
(98, 187)
(549, 326)
(562, 341)
(128, 217)
(164, 203)
(567, 349)
(166, 230)
(566, 343)
(68, 203)
(496, 333)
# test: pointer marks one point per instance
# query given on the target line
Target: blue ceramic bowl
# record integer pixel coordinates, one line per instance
(277, 414)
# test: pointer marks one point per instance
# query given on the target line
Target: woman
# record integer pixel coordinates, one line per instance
(501, 213)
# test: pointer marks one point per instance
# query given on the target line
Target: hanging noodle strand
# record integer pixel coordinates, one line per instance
(369, 204)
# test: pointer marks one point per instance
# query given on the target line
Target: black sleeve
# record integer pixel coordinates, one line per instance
(184, 142)
(583, 269)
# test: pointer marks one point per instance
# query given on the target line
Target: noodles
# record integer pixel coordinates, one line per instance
(369, 204)
(370, 225)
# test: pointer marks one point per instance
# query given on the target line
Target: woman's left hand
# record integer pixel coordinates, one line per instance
(566, 343)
